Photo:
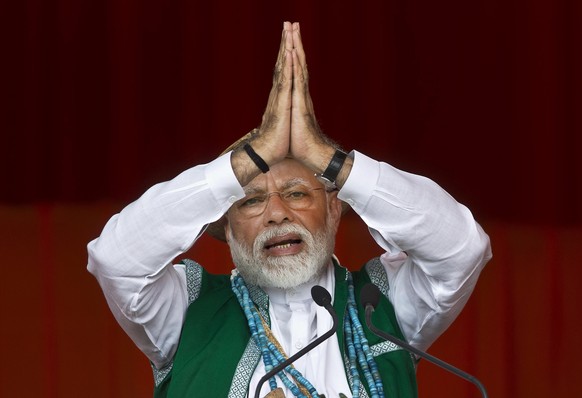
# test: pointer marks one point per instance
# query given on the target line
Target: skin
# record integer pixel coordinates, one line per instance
(290, 142)
(277, 212)
(289, 127)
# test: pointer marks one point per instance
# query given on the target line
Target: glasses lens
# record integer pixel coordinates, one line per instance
(296, 198)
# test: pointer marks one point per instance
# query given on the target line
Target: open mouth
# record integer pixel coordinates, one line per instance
(283, 244)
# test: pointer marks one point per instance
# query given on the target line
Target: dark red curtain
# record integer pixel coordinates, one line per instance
(101, 99)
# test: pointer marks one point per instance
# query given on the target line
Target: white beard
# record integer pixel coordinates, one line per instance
(284, 272)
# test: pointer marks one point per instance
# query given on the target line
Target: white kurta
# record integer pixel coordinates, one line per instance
(434, 252)
(296, 320)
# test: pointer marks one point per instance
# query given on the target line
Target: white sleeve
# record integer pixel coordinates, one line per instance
(132, 258)
(435, 249)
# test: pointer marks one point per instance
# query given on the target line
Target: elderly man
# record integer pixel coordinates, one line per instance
(277, 197)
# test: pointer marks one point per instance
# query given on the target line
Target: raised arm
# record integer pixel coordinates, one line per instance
(132, 258)
(271, 140)
(308, 144)
(435, 249)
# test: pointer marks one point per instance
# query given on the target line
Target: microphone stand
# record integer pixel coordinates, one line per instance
(323, 299)
(370, 307)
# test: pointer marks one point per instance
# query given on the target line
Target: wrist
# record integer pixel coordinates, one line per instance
(331, 173)
(257, 160)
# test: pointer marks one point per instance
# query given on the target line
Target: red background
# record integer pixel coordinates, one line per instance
(101, 99)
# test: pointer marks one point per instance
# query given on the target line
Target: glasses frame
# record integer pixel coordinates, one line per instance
(266, 197)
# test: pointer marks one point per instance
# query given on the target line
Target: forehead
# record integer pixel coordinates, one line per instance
(282, 173)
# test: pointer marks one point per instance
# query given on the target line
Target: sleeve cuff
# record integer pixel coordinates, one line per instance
(359, 186)
(222, 182)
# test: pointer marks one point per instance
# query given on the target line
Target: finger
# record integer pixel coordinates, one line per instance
(300, 84)
(285, 45)
(280, 53)
(279, 102)
(299, 78)
(298, 45)
(284, 75)
(288, 37)
(285, 80)
(285, 88)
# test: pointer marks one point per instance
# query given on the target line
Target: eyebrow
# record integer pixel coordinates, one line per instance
(250, 190)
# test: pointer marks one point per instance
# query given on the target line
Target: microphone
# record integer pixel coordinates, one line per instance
(323, 299)
(370, 297)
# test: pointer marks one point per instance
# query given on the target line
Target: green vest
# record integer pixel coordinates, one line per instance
(216, 356)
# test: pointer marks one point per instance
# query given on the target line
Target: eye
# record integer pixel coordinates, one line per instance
(252, 201)
(296, 194)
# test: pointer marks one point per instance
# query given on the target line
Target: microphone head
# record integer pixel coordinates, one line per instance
(370, 294)
(320, 296)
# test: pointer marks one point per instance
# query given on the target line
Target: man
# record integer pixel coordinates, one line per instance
(277, 197)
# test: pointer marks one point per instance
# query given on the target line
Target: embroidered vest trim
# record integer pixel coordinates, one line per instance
(229, 366)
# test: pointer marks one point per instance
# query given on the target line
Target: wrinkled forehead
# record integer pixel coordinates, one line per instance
(285, 174)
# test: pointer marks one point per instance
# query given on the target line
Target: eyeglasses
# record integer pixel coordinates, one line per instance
(296, 198)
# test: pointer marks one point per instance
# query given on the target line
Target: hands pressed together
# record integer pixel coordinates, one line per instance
(289, 127)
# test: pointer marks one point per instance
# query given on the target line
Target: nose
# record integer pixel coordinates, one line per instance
(276, 210)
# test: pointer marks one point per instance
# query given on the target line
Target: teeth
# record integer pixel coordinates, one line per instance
(283, 244)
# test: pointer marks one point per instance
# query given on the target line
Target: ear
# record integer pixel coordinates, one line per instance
(227, 230)
(335, 207)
